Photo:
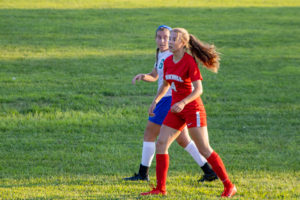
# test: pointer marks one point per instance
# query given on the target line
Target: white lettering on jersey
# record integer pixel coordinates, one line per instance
(173, 87)
(174, 77)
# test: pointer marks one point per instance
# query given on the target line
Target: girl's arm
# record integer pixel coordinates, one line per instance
(150, 77)
(178, 107)
(161, 92)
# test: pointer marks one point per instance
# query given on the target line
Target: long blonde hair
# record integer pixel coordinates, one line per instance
(202, 52)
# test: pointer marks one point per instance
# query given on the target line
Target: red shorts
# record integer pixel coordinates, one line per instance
(189, 118)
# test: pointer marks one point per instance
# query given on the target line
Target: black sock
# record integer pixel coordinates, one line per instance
(207, 169)
(144, 170)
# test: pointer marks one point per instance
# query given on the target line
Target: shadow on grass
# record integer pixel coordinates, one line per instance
(132, 28)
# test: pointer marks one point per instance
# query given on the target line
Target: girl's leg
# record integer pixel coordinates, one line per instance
(185, 141)
(200, 136)
(166, 137)
(184, 138)
(150, 135)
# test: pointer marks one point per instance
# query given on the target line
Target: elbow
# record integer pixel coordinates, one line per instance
(199, 92)
(154, 77)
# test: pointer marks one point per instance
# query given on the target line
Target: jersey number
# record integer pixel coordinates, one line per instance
(161, 64)
(173, 86)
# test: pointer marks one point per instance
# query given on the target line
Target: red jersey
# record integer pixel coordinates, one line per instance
(180, 76)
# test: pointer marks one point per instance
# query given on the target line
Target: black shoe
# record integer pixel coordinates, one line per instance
(137, 177)
(208, 177)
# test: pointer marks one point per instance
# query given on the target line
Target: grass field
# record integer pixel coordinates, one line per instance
(71, 123)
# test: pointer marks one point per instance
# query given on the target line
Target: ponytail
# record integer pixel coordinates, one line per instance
(205, 53)
(157, 51)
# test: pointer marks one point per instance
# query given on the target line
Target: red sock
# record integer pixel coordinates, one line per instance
(217, 164)
(162, 165)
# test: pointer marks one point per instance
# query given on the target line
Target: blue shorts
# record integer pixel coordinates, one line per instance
(161, 110)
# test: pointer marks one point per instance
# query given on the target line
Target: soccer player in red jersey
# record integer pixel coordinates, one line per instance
(182, 74)
(154, 122)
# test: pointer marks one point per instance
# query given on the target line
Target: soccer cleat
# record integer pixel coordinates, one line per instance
(137, 177)
(229, 192)
(154, 191)
(208, 177)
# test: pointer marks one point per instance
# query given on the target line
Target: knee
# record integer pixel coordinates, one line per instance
(150, 135)
(149, 138)
(206, 152)
(161, 146)
(183, 139)
(183, 143)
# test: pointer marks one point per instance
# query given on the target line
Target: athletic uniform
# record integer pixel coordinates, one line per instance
(161, 110)
(163, 106)
(180, 76)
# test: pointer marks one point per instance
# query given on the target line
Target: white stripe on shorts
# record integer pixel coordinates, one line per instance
(198, 119)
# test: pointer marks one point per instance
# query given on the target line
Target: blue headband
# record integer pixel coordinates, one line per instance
(164, 26)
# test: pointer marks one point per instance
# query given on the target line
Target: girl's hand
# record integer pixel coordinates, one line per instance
(178, 107)
(151, 109)
(137, 78)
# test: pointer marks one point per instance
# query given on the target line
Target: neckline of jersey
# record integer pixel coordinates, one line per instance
(179, 60)
(165, 52)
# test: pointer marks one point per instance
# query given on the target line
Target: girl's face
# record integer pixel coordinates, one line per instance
(175, 42)
(162, 40)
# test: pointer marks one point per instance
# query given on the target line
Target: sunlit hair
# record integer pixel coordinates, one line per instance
(202, 52)
(161, 28)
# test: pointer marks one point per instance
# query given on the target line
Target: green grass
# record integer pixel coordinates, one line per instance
(71, 123)
(84, 4)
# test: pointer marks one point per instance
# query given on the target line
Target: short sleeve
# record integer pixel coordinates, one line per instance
(165, 69)
(194, 71)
